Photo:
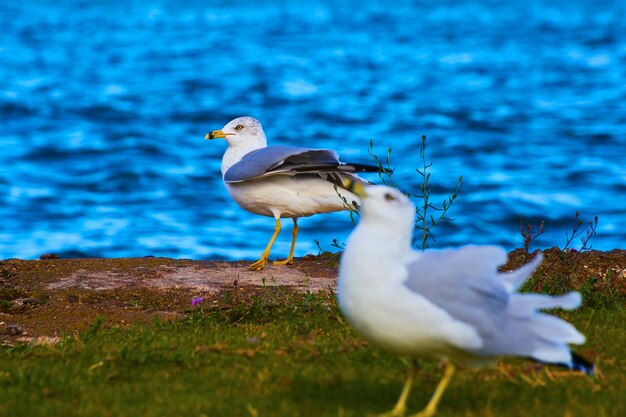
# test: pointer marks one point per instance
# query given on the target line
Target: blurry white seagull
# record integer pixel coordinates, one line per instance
(282, 181)
(451, 304)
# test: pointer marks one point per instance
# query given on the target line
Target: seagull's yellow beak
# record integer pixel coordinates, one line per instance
(355, 187)
(216, 134)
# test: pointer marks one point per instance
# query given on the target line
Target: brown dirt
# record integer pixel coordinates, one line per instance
(52, 297)
(43, 299)
(601, 272)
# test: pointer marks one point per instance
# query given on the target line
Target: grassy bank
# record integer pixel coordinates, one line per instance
(280, 353)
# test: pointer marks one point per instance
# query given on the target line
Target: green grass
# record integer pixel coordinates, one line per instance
(285, 354)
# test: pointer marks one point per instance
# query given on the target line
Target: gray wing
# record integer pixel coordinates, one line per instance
(289, 160)
(465, 282)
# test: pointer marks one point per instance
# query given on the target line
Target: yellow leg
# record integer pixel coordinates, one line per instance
(400, 408)
(294, 236)
(431, 408)
(260, 264)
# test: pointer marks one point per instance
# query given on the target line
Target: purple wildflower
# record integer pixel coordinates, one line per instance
(196, 300)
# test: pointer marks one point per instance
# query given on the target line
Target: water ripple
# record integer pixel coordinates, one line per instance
(104, 110)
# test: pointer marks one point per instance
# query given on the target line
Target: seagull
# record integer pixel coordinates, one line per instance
(449, 304)
(282, 181)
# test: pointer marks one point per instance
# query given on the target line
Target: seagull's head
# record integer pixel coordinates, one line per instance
(242, 131)
(383, 205)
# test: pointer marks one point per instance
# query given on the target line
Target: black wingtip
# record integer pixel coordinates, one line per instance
(578, 364)
(581, 364)
(363, 167)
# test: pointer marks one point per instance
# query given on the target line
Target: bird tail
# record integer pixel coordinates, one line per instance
(581, 364)
(550, 335)
(578, 363)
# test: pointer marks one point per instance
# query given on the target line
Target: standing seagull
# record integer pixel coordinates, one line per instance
(282, 181)
(450, 304)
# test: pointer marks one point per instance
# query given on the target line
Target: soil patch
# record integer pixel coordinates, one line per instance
(47, 298)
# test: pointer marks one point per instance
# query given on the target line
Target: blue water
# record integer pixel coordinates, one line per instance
(104, 106)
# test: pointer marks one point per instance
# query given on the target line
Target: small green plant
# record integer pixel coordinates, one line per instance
(426, 222)
(568, 256)
(385, 169)
(428, 215)
(335, 244)
(425, 219)
(585, 233)
(530, 232)
(351, 206)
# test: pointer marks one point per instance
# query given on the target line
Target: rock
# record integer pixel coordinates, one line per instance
(18, 302)
(13, 329)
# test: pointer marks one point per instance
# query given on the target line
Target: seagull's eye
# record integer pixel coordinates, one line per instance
(239, 127)
(389, 197)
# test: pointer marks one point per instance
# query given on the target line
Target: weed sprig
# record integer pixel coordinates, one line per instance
(425, 220)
